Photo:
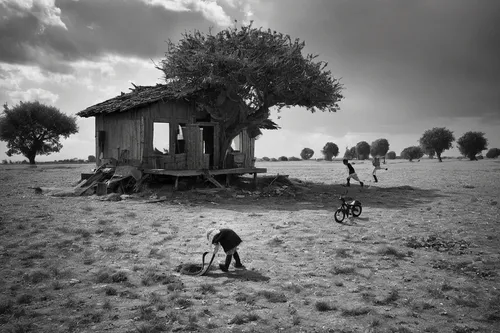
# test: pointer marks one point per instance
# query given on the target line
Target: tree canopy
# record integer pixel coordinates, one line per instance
(379, 147)
(436, 140)
(362, 150)
(330, 150)
(306, 153)
(240, 73)
(32, 128)
(411, 153)
(472, 143)
(391, 155)
(493, 153)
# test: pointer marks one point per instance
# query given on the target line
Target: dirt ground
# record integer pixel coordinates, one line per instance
(424, 255)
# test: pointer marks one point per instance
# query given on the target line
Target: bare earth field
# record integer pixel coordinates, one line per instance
(424, 256)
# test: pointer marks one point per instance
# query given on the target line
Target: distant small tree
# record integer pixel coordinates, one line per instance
(91, 158)
(350, 153)
(493, 153)
(411, 153)
(436, 141)
(362, 150)
(306, 153)
(294, 159)
(430, 152)
(265, 158)
(330, 150)
(283, 158)
(391, 155)
(379, 147)
(32, 128)
(472, 143)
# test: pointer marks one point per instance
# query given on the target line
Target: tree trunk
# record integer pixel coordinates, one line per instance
(233, 124)
(31, 158)
(439, 157)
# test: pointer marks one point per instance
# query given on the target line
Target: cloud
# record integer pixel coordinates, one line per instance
(210, 9)
(34, 94)
(52, 35)
(45, 11)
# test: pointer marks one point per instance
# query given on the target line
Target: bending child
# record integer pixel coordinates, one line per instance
(352, 173)
(229, 241)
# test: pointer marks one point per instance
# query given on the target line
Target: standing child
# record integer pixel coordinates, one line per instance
(352, 173)
(229, 241)
(376, 164)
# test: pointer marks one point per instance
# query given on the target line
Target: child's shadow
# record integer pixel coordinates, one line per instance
(240, 274)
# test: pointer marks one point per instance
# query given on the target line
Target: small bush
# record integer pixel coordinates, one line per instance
(103, 276)
(355, 311)
(336, 270)
(273, 296)
(110, 291)
(294, 159)
(324, 306)
(146, 313)
(391, 251)
(240, 319)
(266, 159)
(183, 302)
(6, 307)
(25, 299)
(36, 276)
(343, 253)
(119, 277)
(283, 158)
(206, 288)
(391, 298)
(242, 297)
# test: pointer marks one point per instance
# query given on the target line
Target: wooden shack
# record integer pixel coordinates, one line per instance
(162, 132)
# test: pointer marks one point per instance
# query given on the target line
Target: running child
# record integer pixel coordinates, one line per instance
(352, 173)
(376, 164)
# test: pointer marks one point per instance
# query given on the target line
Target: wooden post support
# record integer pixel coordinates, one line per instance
(102, 189)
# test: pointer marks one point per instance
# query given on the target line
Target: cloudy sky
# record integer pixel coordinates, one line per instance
(407, 66)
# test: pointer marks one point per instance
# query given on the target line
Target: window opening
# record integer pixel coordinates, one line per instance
(161, 138)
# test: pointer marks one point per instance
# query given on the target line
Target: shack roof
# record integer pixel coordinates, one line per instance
(138, 96)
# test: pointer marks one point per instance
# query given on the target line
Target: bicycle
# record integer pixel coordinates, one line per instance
(346, 208)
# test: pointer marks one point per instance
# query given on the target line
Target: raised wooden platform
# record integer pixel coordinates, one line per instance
(208, 174)
(187, 173)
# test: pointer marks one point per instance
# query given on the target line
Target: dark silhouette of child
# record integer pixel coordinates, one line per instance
(229, 240)
(352, 173)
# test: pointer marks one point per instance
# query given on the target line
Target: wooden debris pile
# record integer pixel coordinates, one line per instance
(111, 179)
(277, 186)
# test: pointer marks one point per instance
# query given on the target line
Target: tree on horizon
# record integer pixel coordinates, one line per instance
(436, 140)
(306, 153)
(362, 150)
(330, 150)
(472, 143)
(33, 128)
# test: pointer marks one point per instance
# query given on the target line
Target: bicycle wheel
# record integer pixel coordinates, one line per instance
(356, 210)
(339, 215)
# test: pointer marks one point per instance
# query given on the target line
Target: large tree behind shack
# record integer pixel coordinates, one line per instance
(240, 73)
